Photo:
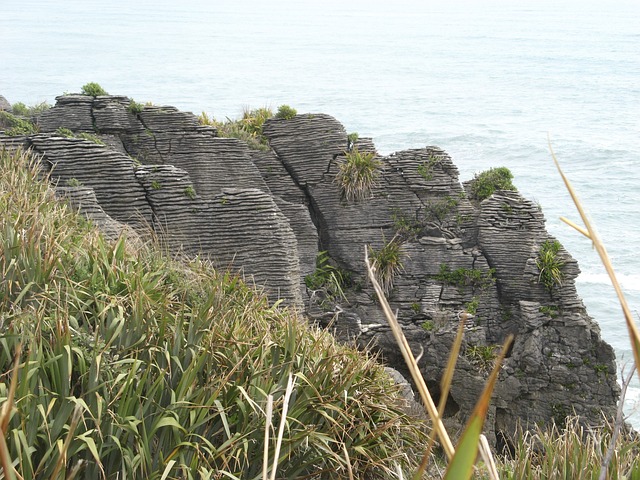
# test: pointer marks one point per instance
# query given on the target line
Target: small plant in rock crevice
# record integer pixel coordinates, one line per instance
(329, 279)
(463, 277)
(425, 169)
(156, 185)
(472, 306)
(74, 182)
(387, 263)
(135, 107)
(358, 173)
(549, 310)
(190, 192)
(90, 138)
(482, 356)
(64, 132)
(352, 138)
(428, 325)
(248, 128)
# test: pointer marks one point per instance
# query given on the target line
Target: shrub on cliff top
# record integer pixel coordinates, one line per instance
(23, 110)
(486, 183)
(93, 90)
(152, 367)
(286, 112)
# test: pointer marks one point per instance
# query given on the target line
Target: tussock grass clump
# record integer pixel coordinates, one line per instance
(387, 263)
(572, 451)
(137, 365)
(248, 128)
(357, 174)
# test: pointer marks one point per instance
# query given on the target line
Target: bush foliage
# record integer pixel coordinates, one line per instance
(486, 183)
(137, 365)
(93, 89)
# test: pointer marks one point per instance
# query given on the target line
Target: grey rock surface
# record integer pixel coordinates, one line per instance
(269, 215)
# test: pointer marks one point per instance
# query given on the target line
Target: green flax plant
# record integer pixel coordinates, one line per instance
(140, 365)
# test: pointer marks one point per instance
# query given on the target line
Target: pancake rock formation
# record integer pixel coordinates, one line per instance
(281, 217)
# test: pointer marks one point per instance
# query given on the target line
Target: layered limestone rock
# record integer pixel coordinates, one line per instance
(270, 214)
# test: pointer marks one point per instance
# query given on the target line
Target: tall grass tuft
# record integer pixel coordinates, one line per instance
(571, 451)
(138, 365)
(248, 128)
(357, 174)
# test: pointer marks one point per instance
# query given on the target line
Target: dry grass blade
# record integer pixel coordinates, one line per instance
(5, 413)
(267, 434)
(348, 461)
(487, 458)
(590, 233)
(445, 383)
(445, 386)
(461, 466)
(283, 423)
(617, 425)
(62, 459)
(411, 362)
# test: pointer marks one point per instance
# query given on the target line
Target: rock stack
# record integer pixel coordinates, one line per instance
(269, 215)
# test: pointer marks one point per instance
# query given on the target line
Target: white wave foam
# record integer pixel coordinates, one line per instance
(630, 282)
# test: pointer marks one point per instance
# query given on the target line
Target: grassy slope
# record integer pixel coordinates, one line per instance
(168, 364)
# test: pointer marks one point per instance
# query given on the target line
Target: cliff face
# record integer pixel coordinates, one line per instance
(269, 214)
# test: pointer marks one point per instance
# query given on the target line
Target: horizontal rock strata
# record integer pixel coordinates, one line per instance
(283, 219)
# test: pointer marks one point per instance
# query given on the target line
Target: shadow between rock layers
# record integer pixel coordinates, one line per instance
(269, 214)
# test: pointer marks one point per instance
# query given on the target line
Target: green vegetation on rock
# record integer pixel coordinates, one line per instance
(93, 89)
(486, 183)
(286, 112)
(64, 132)
(550, 265)
(135, 107)
(14, 126)
(329, 279)
(89, 137)
(248, 128)
(137, 365)
(462, 277)
(22, 110)
(387, 262)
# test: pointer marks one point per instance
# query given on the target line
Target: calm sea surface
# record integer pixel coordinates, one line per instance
(488, 81)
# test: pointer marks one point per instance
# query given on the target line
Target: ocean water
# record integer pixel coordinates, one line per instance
(491, 82)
